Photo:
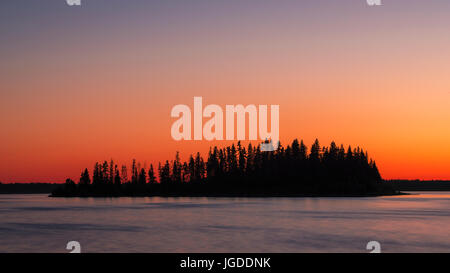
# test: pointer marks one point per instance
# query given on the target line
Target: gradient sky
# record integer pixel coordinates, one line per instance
(85, 84)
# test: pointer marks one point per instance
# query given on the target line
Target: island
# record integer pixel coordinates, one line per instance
(237, 171)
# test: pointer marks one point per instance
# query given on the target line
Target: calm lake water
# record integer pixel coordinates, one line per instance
(37, 223)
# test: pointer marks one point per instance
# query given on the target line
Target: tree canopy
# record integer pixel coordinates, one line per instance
(241, 171)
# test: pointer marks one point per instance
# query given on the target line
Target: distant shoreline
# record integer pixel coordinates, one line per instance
(398, 185)
(28, 188)
(420, 185)
(235, 195)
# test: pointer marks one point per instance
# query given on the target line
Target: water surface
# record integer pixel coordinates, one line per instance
(414, 223)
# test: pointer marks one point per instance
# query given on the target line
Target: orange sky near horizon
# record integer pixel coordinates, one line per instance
(102, 83)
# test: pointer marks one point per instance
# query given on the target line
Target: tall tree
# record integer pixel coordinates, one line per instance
(96, 178)
(84, 178)
(134, 172)
(176, 169)
(164, 173)
(124, 174)
(142, 177)
(117, 179)
(111, 172)
(315, 151)
(151, 175)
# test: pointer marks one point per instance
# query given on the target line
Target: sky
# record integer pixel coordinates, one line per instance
(98, 81)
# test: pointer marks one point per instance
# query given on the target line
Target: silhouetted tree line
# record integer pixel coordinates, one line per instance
(240, 171)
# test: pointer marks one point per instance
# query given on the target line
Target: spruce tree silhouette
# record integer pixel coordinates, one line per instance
(85, 179)
(142, 177)
(151, 175)
(117, 179)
